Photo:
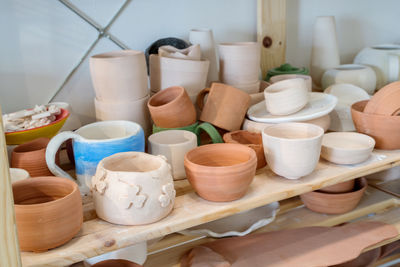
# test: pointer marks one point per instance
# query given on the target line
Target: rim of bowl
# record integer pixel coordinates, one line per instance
(117, 54)
(384, 117)
(371, 141)
(345, 67)
(154, 135)
(282, 85)
(163, 92)
(246, 132)
(362, 180)
(318, 128)
(40, 140)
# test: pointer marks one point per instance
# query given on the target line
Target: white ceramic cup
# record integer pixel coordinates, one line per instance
(173, 144)
(292, 150)
(307, 78)
(286, 97)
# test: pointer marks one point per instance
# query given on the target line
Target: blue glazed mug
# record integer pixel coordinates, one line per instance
(93, 142)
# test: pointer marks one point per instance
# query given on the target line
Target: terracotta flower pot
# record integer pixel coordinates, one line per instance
(386, 101)
(31, 156)
(172, 108)
(384, 129)
(116, 263)
(343, 187)
(252, 140)
(221, 172)
(48, 212)
(331, 203)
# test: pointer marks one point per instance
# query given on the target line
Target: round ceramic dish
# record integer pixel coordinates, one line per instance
(240, 224)
(346, 147)
(319, 105)
(343, 187)
(386, 101)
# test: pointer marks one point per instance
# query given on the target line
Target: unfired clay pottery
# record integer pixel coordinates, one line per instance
(192, 52)
(384, 129)
(286, 97)
(307, 78)
(358, 75)
(119, 75)
(173, 144)
(342, 187)
(325, 51)
(346, 147)
(335, 203)
(17, 174)
(116, 263)
(292, 150)
(225, 107)
(31, 157)
(221, 172)
(284, 69)
(133, 188)
(48, 212)
(252, 140)
(172, 108)
(386, 101)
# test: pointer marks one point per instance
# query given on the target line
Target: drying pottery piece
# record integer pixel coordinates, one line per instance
(325, 51)
(135, 111)
(386, 101)
(116, 263)
(221, 172)
(173, 144)
(347, 95)
(172, 41)
(384, 129)
(385, 61)
(355, 74)
(119, 75)
(346, 147)
(335, 203)
(93, 142)
(318, 105)
(192, 52)
(252, 140)
(292, 150)
(309, 246)
(17, 174)
(285, 69)
(342, 187)
(225, 107)
(172, 108)
(307, 79)
(73, 122)
(387, 175)
(31, 157)
(133, 188)
(286, 97)
(48, 212)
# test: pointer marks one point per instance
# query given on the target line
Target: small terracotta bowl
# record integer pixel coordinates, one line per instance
(221, 172)
(252, 140)
(331, 203)
(384, 129)
(386, 101)
(116, 263)
(343, 187)
(48, 212)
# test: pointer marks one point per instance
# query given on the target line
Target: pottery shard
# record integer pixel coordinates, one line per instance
(308, 247)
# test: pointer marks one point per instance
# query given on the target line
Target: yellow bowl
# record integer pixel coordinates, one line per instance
(50, 130)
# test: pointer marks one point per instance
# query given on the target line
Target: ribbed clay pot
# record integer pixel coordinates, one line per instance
(116, 263)
(221, 172)
(343, 187)
(252, 140)
(335, 203)
(172, 108)
(31, 157)
(386, 101)
(48, 212)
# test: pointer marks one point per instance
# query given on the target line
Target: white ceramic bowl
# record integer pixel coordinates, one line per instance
(346, 147)
(307, 78)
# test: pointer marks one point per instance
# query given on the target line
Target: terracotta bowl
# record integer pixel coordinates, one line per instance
(252, 140)
(221, 172)
(48, 212)
(116, 263)
(384, 129)
(343, 187)
(386, 101)
(331, 203)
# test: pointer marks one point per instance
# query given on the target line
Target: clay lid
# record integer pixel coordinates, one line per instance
(386, 101)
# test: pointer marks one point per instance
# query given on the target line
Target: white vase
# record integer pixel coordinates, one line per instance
(325, 51)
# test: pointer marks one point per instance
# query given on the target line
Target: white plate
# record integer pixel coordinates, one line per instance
(319, 104)
(239, 224)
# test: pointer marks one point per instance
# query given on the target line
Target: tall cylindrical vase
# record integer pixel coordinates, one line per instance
(325, 51)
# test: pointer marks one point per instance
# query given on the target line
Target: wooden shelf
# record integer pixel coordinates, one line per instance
(98, 237)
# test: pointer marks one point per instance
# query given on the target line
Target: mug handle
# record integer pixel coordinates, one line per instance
(394, 68)
(200, 98)
(210, 130)
(52, 149)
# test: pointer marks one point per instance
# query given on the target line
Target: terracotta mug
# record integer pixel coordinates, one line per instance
(225, 107)
(171, 108)
(92, 143)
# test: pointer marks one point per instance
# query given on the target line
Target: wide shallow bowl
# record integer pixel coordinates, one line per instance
(50, 130)
(116, 263)
(331, 203)
(48, 212)
(386, 101)
(346, 147)
(384, 129)
(342, 187)
(221, 172)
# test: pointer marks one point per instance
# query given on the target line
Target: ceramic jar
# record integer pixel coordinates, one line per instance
(172, 108)
(386, 101)
(173, 144)
(48, 212)
(307, 79)
(31, 157)
(292, 150)
(358, 75)
(225, 107)
(133, 188)
(221, 172)
(384, 60)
